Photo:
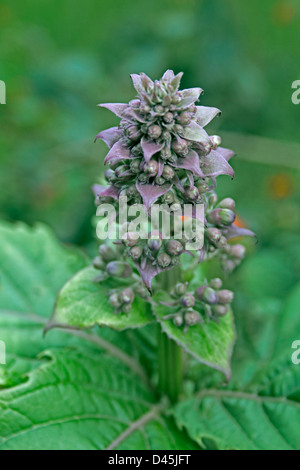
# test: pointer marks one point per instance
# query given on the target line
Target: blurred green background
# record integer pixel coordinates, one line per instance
(59, 58)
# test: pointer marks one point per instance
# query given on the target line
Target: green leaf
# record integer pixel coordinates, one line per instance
(211, 343)
(96, 403)
(85, 391)
(241, 421)
(83, 303)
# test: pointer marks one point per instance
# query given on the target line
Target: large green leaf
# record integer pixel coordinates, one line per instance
(211, 343)
(83, 303)
(99, 394)
(236, 420)
(95, 403)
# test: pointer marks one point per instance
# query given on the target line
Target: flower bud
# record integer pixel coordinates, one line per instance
(110, 175)
(213, 199)
(165, 153)
(115, 301)
(160, 181)
(168, 117)
(145, 108)
(184, 118)
(202, 186)
(142, 291)
(222, 243)
(209, 296)
(228, 265)
(178, 129)
(135, 166)
(131, 191)
(133, 132)
(216, 283)
(178, 320)
(166, 135)
(225, 297)
(154, 132)
(174, 248)
(127, 296)
(221, 217)
(216, 141)
(169, 197)
(213, 234)
(151, 168)
(130, 239)
(107, 253)
(192, 318)
(143, 177)
(168, 173)
(188, 300)
(159, 109)
(154, 242)
(191, 193)
(176, 98)
(98, 263)
(126, 308)
(163, 260)
(220, 310)
(180, 288)
(119, 269)
(180, 146)
(227, 203)
(136, 252)
(121, 172)
(238, 251)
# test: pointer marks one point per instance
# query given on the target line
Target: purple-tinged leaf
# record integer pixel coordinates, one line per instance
(233, 231)
(141, 82)
(190, 162)
(149, 271)
(151, 193)
(160, 168)
(116, 108)
(205, 114)
(196, 133)
(110, 136)
(150, 148)
(106, 191)
(176, 81)
(214, 164)
(189, 97)
(168, 75)
(118, 152)
(226, 153)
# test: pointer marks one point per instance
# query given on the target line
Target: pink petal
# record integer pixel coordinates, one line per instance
(214, 164)
(118, 152)
(191, 162)
(116, 108)
(110, 136)
(104, 191)
(150, 148)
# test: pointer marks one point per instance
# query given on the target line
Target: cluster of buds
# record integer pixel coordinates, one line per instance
(161, 153)
(208, 302)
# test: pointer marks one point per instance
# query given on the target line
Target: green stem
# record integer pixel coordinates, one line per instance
(170, 355)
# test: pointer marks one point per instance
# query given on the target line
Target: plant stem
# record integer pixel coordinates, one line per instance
(170, 355)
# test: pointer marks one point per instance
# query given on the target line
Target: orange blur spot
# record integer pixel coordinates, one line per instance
(284, 12)
(239, 223)
(280, 186)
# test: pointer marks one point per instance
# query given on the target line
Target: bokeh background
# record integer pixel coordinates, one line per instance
(59, 58)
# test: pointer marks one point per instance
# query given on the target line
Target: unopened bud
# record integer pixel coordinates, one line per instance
(191, 193)
(227, 203)
(174, 248)
(178, 320)
(130, 239)
(209, 296)
(127, 296)
(114, 300)
(202, 187)
(169, 197)
(98, 263)
(160, 181)
(220, 310)
(216, 141)
(192, 318)
(154, 132)
(184, 118)
(225, 296)
(216, 283)
(107, 253)
(136, 252)
(168, 117)
(238, 251)
(135, 166)
(213, 234)
(221, 217)
(119, 269)
(188, 300)
(180, 288)
(151, 168)
(180, 146)
(168, 173)
(163, 260)
(110, 175)
(165, 153)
